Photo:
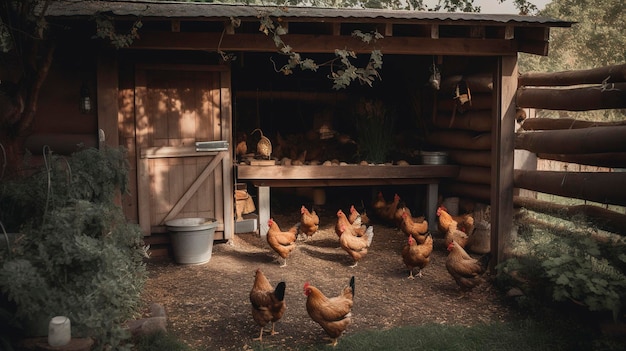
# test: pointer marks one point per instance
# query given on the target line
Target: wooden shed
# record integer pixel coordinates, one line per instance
(205, 72)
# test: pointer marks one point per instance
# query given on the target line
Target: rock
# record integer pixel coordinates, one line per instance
(147, 326)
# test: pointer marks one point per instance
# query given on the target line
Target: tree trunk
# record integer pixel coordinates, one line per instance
(470, 158)
(612, 96)
(602, 187)
(577, 141)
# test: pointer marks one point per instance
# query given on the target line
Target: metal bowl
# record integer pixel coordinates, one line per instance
(434, 157)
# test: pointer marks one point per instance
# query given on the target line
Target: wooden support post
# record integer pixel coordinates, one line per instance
(264, 209)
(432, 193)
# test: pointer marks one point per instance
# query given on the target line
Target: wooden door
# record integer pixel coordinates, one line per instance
(175, 107)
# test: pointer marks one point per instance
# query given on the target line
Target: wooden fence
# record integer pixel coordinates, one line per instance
(597, 148)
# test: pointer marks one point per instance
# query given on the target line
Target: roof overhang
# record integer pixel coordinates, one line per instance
(202, 26)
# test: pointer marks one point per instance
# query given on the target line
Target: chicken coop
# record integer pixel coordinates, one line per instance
(431, 105)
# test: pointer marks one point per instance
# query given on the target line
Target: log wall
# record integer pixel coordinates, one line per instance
(576, 159)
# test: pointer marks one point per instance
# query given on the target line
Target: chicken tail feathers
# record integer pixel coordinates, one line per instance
(279, 291)
(369, 233)
(484, 261)
(352, 285)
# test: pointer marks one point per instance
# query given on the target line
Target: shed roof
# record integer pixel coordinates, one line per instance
(182, 10)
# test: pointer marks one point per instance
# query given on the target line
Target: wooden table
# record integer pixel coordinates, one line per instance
(265, 177)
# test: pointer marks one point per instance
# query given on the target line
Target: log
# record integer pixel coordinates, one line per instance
(479, 192)
(615, 74)
(564, 123)
(602, 187)
(478, 82)
(459, 139)
(470, 158)
(573, 99)
(607, 159)
(604, 219)
(576, 141)
(62, 144)
(477, 121)
(476, 175)
(480, 101)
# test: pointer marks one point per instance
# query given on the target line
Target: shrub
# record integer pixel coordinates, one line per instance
(76, 255)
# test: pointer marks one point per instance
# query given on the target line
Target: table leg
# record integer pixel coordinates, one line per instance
(432, 193)
(264, 209)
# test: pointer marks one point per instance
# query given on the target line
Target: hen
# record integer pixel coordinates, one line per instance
(466, 270)
(388, 211)
(411, 227)
(379, 202)
(454, 234)
(416, 255)
(355, 216)
(332, 314)
(342, 220)
(355, 246)
(465, 221)
(281, 242)
(309, 222)
(268, 304)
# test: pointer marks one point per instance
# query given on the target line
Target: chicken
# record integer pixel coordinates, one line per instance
(465, 221)
(466, 270)
(332, 314)
(342, 220)
(355, 246)
(379, 202)
(388, 211)
(268, 304)
(454, 234)
(411, 227)
(282, 242)
(357, 218)
(417, 255)
(309, 222)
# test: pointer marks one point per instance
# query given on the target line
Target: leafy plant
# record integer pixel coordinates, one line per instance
(375, 130)
(568, 268)
(76, 255)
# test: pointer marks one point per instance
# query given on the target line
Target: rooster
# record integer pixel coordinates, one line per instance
(466, 270)
(309, 222)
(281, 242)
(465, 221)
(268, 304)
(332, 314)
(411, 227)
(417, 255)
(355, 246)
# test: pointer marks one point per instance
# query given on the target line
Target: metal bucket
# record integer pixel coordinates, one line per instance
(434, 157)
(192, 239)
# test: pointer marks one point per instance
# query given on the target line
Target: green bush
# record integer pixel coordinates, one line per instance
(75, 255)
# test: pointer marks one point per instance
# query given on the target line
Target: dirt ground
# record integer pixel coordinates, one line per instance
(208, 307)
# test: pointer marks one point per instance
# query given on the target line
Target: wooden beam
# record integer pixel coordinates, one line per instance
(612, 74)
(608, 159)
(434, 31)
(107, 97)
(602, 218)
(460, 139)
(478, 121)
(175, 26)
(502, 150)
(305, 43)
(602, 187)
(611, 96)
(564, 123)
(573, 141)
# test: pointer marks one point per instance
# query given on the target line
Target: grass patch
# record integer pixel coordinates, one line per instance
(513, 336)
(160, 342)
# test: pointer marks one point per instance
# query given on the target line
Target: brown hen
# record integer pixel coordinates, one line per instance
(268, 303)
